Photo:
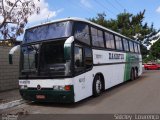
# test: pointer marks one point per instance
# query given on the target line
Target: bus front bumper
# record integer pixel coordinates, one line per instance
(48, 96)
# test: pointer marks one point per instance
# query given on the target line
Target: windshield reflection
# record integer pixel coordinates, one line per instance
(47, 32)
(30, 57)
(46, 59)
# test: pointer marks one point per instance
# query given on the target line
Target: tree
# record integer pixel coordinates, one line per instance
(155, 50)
(14, 16)
(130, 25)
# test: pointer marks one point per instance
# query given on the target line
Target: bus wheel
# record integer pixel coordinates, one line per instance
(132, 74)
(136, 73)
(97, 86)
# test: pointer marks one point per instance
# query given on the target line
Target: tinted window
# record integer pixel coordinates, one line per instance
(136, 47)
(46, 32)
(88, 58)
(30, 56)
(97, 37)
(118, 43)
(109, 40)
(82, 33)
(131, 46)
(126, 45)
(52, 53)
(78, 59)
(139, 51)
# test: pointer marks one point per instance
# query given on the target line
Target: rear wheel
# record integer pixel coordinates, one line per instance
(97, 86)
(136, 73)
(132, 74)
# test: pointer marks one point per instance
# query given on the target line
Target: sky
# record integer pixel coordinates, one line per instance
(57, 9)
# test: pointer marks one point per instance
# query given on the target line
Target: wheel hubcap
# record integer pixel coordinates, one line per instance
(98, 86)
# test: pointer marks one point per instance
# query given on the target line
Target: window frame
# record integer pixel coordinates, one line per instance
(139, 48)
(84, 53)
(124, 39)
(120, 39)
(106, 32)
(77, 44)
(130, 41)
(136, 47)
(97, 29)
(89, 33)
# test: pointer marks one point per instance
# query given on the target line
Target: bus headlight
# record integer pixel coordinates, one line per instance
(60, 88)
(23, 87)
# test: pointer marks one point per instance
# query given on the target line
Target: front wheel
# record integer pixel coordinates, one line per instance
(97, 86)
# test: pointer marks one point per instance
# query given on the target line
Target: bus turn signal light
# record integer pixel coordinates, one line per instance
(67, 87)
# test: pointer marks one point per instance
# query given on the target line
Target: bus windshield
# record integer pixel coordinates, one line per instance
(52, 59)
(46, 59)
(30, 57)
(47, 32)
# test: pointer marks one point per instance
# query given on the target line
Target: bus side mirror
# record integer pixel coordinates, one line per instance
(67, 51)
(67, 48)
(11, 52)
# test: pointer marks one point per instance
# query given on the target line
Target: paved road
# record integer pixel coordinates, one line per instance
(139, 96)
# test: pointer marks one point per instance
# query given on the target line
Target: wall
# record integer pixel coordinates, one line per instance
(8, 73)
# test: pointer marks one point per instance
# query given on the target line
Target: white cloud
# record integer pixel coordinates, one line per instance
(86, 3)
(45, 12)
(158, 9)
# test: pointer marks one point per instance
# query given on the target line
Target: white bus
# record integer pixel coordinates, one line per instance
(71, 59)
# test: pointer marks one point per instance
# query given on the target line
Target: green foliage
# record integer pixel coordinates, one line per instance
(155, 50)
(129, 25)
(144, 51)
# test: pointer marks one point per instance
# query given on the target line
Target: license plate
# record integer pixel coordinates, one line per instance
(40, 96)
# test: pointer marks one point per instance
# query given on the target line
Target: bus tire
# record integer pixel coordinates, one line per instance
(136, 73)
(132, 74)
(97, 86)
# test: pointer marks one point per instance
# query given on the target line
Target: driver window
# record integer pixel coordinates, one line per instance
(78, 59)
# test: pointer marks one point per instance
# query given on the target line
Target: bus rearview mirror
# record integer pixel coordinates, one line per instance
(67, 51)
(11, 52)
(67, 48)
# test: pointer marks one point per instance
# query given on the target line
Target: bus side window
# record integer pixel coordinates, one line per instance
(78, 59)
(109, 40)
(97, 37)
(131, 46)
(139, 51)
(118, 43)
(88, 58)
(126, 45)
(135, 47)
(82, 33)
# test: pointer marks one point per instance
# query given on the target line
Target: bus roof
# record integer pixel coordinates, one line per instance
(81, 20)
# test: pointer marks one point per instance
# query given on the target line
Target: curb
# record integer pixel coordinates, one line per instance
(12, 104)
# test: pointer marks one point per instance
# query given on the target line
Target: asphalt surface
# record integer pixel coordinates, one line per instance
(141, 96)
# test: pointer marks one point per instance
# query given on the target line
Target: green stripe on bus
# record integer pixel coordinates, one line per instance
(127, 68)
(132, 60)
